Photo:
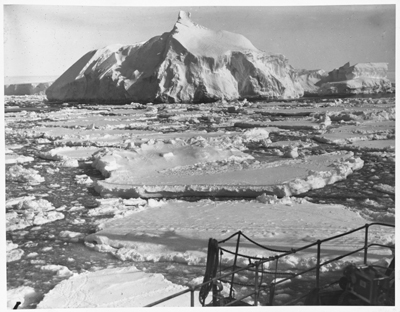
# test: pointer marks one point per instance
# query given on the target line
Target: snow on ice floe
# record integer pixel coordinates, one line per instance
(17, 159)
(200, 168)
(117, 207)
(69, 154)
(114, 288)
(178, 231)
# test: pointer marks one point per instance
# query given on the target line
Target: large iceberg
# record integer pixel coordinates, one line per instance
(188, 64)
(361, 78)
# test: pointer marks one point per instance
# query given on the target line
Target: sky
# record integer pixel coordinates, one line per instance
(45, 40)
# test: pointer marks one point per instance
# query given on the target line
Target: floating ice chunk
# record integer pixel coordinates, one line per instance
(14, 254)
(32, 212)
(48, 217)
(255, 134)
(42, 141)
(83, 179)
(384, 188)
(16, 159)
(11, 245)
(14, 201)
(32, 255)
(291, 152)
(70, 163)
(72, 236)
(60, 270)
(20, 174)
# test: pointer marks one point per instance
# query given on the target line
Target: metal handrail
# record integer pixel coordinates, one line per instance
(272, 286)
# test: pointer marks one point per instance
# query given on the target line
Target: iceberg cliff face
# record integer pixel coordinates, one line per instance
(362, 78)
(189, 64)
(310, 79)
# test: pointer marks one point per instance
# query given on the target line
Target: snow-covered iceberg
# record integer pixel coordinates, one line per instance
(188, 64)
(361, 78)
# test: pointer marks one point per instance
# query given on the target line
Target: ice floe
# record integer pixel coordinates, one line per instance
(114, 288)
(190, 170)
(178, 231)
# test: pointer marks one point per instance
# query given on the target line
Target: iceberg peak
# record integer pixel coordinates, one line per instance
(184, 18)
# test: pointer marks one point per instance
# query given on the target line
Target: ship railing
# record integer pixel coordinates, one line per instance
(257, 267)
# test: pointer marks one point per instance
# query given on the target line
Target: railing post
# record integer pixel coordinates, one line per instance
(191, 296)
(366, 244)
(271, 294)
(318, 263)
(256, 284)
(234, 265)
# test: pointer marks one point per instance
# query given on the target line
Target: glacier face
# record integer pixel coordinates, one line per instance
(188, 64)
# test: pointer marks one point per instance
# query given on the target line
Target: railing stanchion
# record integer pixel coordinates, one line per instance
(271, 294)
(318, 263)
(191, 296)
(256, 284)
(234, 265)
(366, 244)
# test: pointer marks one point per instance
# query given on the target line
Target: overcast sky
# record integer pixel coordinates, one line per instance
(42, 40)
